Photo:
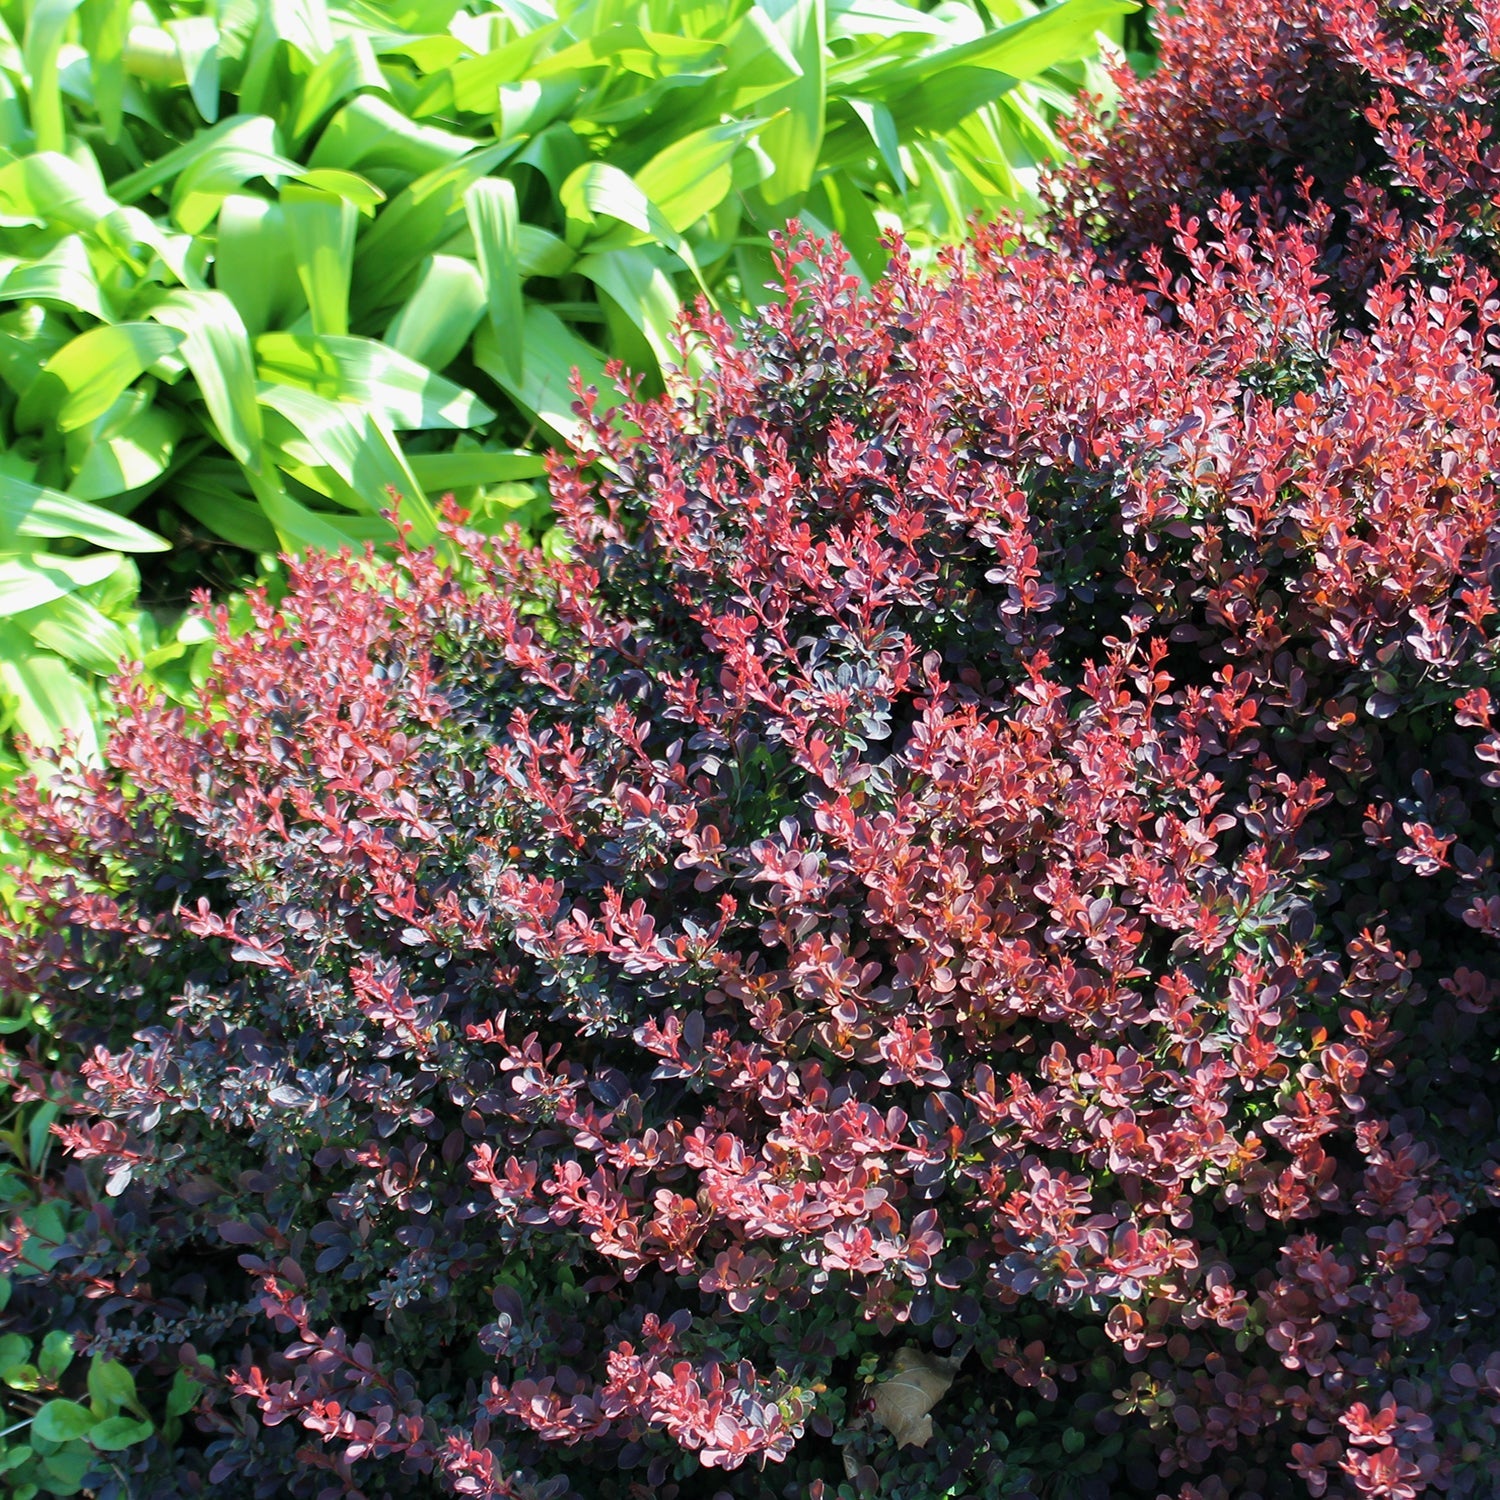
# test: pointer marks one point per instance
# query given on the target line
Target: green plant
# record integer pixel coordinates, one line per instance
(263, 264)
(52, 1444)
(64, 1425)
(61, 608)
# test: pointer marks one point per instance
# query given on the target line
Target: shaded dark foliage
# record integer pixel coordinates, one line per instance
(1382, 110)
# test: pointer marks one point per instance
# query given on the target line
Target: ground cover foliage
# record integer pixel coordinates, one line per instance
(262, 262)
(978, 865)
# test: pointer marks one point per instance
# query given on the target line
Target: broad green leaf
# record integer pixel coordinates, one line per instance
(936, 105)
(51, 706)
(439, 472)
(64, 1471)
(692, 175)
(848, 19)
(33, 510)
(794, 138)
(217, 350)
(118, 591)
(124, 229)
(182, 1394)
(111, 1384)
(249, 152)
(62, 1421)
(13, 122)
(39, 1136)
(52, 189)
(652, 54)
(837, 204)
(33, 578)
(104, 25)
(542, 253)
(64, 275)
(349, 67)
(349, 186)
(86, 376)
(196, 39)
(358, 447)
(600, 189)
(556, 153)
(370, 374)
(471, 86)
(55, 1355)
(115, 1433)
(29, 337)
(151, 57)
(20, 1377)
(252, 133)
(644, 294)
(305, 24)
(527, 106)
(128, 448)
(757, 62)
(370, 135)
(322, 228)
(421, 15)
(289, 38)
(939, 184)
(1020, 50)
(418, 221)
(46, 29)
(254, 264)
(296, 527)
(553, 352)
(878, 121)
(215, 493)
(434, 324)
(74, 629)
(490, 205)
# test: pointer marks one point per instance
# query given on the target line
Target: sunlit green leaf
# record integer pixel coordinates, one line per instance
(553, 353)
(322, 227)
(217, 350)
(435, 322)
(371, 374)
(33, 578)
(794, 137)
(359, 448)
(60, 1421)
(86, 376)
(74, 629)
(64, 275)
(494, 222)
(50, 705)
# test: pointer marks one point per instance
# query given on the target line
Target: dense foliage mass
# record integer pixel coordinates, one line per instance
(980, 862)
(260, 262)
(1382, 110)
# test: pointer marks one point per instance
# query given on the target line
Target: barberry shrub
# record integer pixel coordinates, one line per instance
(986, 843)
(1383, 110)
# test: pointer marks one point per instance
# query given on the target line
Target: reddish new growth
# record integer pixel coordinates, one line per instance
(988, 843)
(1385, 110)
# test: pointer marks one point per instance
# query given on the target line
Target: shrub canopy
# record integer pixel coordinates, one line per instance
(1384, 111)
(986, 844)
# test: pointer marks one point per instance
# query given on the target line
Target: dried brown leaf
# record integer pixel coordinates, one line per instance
(916, 1381)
